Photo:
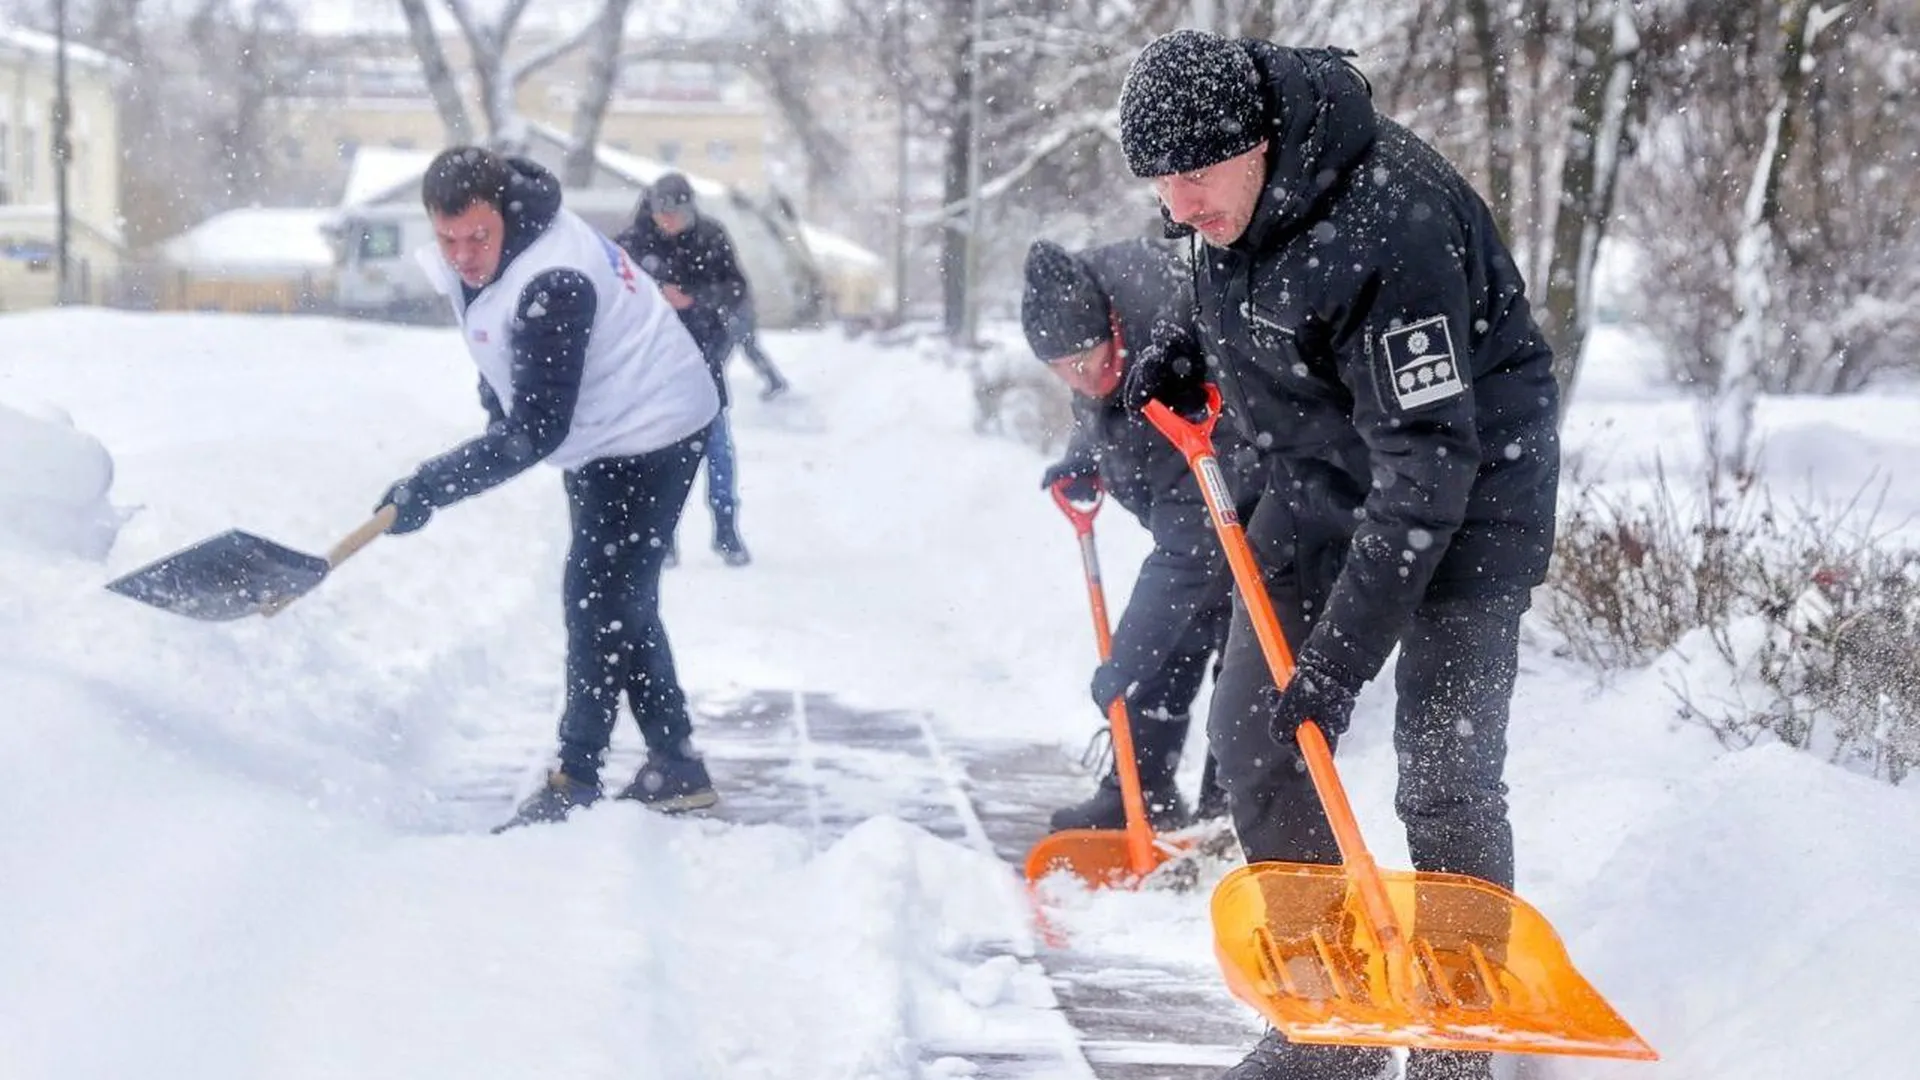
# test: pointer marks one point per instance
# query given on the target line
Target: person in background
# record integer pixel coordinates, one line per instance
(692, 258)
(582, 366)
(1371, 337)
(1086, 315)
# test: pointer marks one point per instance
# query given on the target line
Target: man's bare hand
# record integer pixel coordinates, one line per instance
(676, 296)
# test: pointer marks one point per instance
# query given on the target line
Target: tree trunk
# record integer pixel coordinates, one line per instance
(953, 244)
(1730, 426)
(439, 74)
(1606, 58)
(1496, 74)
(603, 71)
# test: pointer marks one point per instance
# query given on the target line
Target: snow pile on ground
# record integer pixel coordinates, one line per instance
(227, 854)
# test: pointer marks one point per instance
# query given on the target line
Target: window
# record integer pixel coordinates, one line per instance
(720, 151)
(29, 155)
(379, 242)
(670, 150)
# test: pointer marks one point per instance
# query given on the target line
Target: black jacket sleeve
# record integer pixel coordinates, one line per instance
(552, 324)
(718, 287)
(1185, 574)
(1423, 449)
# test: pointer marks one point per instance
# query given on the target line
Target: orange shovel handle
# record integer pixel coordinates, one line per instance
(1195, 442)
(1139, 832)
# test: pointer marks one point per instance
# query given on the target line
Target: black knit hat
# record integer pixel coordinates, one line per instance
(671, 193)
(1191, 99)
(1063, 310)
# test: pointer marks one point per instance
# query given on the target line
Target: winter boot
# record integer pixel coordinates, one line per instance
(1274, 1058)
(1212, 802)
(1449, 1065)
(1107, 810)
(776, 385)
(560, 796)
(672, 784)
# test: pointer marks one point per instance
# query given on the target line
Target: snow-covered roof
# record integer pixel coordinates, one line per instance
(258, 240)
(377, 171)
(833, 248)
(19, 41)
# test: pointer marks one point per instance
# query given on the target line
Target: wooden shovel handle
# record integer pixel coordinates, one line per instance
(380, 522)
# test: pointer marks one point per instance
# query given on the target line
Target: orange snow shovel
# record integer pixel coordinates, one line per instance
(1101, 857)
(1356, 955)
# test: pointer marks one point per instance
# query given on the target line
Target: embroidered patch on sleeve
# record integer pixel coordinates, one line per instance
(1421, 365)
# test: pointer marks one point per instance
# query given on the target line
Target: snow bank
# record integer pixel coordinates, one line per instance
(53, 491)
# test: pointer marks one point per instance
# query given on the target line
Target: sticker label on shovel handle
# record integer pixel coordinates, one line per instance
(1213, 484)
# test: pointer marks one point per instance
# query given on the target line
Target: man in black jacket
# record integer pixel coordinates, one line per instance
(1371, 336)
(692, 258)
(1086, 314)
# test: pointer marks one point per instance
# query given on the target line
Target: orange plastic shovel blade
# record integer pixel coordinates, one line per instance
(1483, 970)
(1097, 856)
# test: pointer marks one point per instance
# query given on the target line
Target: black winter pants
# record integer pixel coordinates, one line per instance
(1453, 688)
(624, 511)
(1160, 706)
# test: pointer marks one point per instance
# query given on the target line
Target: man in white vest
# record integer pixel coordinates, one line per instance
(583, 365)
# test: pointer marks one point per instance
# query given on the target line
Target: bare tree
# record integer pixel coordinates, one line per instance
(498, 71)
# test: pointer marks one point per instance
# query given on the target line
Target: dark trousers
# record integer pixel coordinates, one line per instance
(758, 359)
(1453, 688)
(1160, 706)
(624, 511)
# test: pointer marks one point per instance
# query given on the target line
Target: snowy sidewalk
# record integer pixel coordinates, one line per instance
(808, 762)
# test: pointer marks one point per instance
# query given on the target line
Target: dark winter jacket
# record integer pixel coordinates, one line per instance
(1185, 578)
(1372, 338)
(549, 354)
(700, 260)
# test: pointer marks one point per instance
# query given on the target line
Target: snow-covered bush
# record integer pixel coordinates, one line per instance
(1794, 623)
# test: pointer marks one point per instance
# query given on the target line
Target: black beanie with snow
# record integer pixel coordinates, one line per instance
(1063, 309)
(1191, 99)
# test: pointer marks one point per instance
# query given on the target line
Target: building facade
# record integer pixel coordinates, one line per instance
(29, 217)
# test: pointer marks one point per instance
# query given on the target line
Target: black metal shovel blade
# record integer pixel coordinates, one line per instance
(229, 576)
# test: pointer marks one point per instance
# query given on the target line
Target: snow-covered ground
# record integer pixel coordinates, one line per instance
(225, 850)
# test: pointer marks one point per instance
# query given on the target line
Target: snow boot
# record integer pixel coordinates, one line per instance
(560, 796)
(775, 387)
(1274, 1058)
(672, 784)
(1212, 802)
(1449, 1065)
(1106, 810)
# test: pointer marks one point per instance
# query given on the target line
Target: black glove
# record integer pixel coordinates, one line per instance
(1172, 369)
(1108, 685)
(413, 509)
(1083, 476)
(1321, 691)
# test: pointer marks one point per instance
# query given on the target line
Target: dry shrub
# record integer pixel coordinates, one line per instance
(1809, 606)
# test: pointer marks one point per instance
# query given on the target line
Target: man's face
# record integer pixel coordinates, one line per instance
(470, 241)
(672, 222)
(1094, 373)
(1218, 200)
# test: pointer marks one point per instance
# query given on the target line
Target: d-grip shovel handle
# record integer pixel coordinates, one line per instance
(1195, 442)
(380, 522)
(1132, 797)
